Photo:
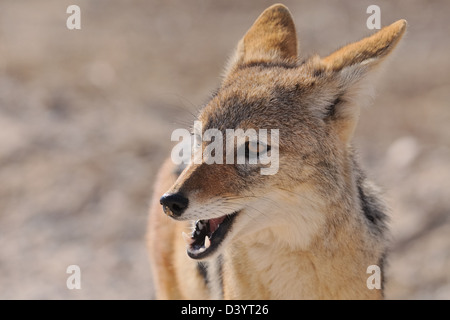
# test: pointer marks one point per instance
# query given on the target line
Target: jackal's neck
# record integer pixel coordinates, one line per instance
(256, 270)
(333, 265)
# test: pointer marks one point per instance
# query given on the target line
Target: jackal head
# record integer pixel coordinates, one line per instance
(314, 104)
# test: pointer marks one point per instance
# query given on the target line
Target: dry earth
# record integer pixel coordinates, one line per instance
(86, 117)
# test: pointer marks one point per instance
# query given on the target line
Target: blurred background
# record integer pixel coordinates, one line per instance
(86, 117)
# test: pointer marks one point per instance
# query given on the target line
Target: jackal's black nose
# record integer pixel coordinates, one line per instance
(174, 203)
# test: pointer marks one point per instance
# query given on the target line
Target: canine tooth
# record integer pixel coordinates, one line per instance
(207, 242)
(187, 239)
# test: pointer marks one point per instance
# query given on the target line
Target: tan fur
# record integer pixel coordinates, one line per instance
(311, 230)
(271, 37)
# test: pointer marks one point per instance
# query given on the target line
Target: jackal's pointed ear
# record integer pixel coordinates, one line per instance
(272, 38)
(368, 51)
(349, 69)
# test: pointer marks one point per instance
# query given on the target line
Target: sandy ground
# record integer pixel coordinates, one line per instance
(86, 117)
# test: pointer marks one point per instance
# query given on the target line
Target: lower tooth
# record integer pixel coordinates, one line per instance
(201, 250)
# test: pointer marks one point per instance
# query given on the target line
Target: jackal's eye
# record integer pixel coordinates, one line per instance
(254, 149)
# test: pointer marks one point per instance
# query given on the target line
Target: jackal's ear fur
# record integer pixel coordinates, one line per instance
(272, 38)
(349, 67)
(368, 51)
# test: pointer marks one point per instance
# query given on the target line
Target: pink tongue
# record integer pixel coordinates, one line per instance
(214, 223)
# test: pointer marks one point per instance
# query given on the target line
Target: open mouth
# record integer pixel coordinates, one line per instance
(208, 235)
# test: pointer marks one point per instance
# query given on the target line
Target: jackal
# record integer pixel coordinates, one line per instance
(309, 231)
